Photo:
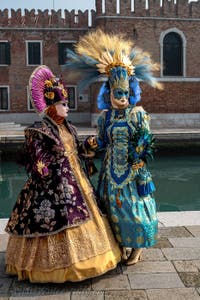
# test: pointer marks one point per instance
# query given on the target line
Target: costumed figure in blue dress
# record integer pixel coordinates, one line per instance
(125, 187)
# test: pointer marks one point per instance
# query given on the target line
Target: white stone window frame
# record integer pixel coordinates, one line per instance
(8, 89)
(41, 52)
(161, 39)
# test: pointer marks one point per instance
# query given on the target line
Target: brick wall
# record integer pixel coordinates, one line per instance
(176, 97)
(143, 24)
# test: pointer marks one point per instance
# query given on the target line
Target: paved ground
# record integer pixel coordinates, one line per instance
(170, 270)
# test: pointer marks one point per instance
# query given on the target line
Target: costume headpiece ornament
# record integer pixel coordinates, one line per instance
(100, 54)
(45, 89)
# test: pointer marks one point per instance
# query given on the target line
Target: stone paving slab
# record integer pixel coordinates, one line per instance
(173, 294)
(187, 265)
(150, 267)
(193, 242)
(5, 284)
(65, 296)
(2, 265)
(190, 279)
(162, 243)
(3, 223)
(152, 255)
(24, 288)
(3, 242)
(195, 230)
(126, 295)
(119, 282)
(181, 218)
(155, 281)
(181, 253)
(87, 295)
(173, 232)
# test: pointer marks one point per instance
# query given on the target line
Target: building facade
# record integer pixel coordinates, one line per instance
(169, 30)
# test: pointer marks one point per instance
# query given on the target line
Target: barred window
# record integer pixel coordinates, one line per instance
(62, 51)
(172, 55)
(34, 53)
(4, 99)
(4, 53)
(72, 97)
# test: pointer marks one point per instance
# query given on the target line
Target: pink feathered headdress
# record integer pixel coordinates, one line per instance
(45, 89)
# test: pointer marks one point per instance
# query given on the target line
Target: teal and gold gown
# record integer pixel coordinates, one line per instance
(125, 193)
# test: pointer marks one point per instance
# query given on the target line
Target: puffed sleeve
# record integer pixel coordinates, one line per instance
(142, 140)
(142, 148)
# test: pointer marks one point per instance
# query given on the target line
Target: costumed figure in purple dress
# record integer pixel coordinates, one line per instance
(57, 233)
(125, 186)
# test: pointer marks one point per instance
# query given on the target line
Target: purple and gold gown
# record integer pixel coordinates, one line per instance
(57, 233)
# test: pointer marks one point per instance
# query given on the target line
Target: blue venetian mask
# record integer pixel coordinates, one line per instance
(120, 93)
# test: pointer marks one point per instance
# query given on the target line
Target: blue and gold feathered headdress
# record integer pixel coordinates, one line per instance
(99, 54)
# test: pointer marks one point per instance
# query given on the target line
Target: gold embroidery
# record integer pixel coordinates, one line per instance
(62, 249)
(40, 166)
(87, 242)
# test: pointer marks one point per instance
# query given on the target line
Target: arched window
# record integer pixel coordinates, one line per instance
(172, 55)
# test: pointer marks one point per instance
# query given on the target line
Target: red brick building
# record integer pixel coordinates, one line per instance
(169, 30)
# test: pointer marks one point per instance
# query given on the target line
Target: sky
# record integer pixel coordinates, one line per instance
(49, 4)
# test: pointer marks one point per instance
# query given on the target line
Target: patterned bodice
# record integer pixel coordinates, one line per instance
(119, 131)
(126, 137)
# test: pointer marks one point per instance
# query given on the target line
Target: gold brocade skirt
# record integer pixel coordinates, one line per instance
(73, 254)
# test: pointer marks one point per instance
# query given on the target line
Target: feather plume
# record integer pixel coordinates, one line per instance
(97, 53)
